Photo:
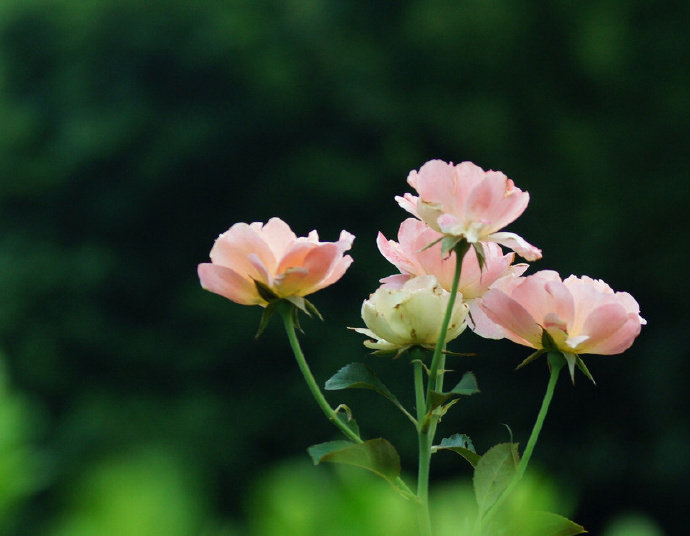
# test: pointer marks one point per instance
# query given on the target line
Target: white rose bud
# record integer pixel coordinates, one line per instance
(400, 316)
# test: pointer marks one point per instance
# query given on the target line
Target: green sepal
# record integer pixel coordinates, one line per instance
(460, 354)
(493, 474)
(448, 244)
(481, 258)
(531, 358)
(558, 359)
(431, 244)
(544, 524)
(462, 445)
(375, 455)
(397, 351)
(305, 306)
(547, 341)
(268, 312)
(265, 291)
(581, 365)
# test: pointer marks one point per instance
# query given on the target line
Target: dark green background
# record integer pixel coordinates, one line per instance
(132, 133)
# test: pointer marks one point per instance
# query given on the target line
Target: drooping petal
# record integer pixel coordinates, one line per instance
(518, 324)
(518, 244)
(408, 202)
(229, 284)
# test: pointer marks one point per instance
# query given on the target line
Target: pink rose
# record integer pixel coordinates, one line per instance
(466, 201)
(580, 315)
(412, 258)
(274, 256)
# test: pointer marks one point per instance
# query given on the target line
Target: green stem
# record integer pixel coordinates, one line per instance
(287, 313)
(426, 427)
(556, 363)
(438, 357)
(424, 452)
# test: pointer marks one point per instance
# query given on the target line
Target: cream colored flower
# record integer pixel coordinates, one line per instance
(400, 316)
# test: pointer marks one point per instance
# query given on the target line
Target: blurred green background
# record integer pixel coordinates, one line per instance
(133, 133)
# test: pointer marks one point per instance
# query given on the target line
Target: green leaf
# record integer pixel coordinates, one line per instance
(461, 444)
(317, 452)
(545, 524)
(467, 386)
(358, 376)
(493, 473)
(375, 455)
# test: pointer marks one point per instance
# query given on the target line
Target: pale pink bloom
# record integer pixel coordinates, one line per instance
(580, 315)
(466, 201)
(273, 255)
(411, 256)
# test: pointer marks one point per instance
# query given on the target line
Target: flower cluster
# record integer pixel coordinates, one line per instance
(453, 274)
(253, 264)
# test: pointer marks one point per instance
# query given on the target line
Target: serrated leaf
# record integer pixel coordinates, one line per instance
(493, 473)
(545, 524)
(467, 386)
(462, 445)
(375, 455)
(358, 376)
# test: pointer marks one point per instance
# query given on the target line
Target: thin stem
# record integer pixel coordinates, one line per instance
(556, 363)
(438, 356)
(426, 428)
(287, 312)
(288, 320)
(424, 452)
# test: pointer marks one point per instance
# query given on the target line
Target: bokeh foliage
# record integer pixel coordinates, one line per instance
(135, 132)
